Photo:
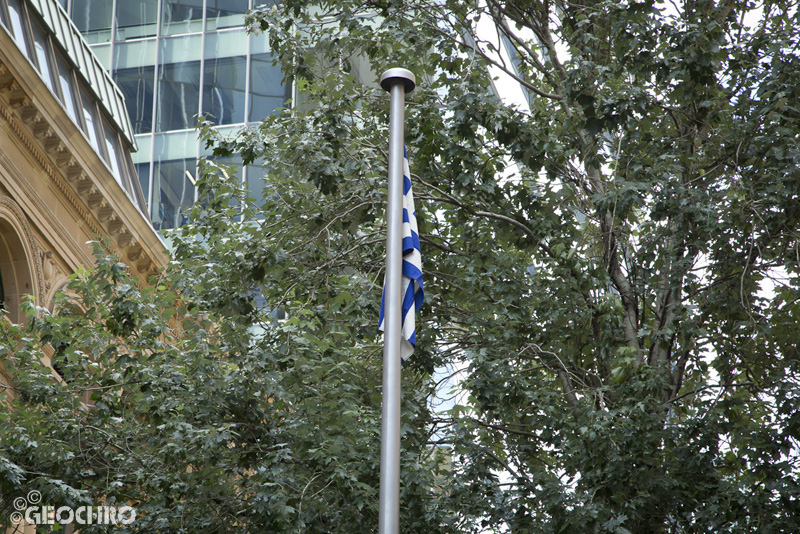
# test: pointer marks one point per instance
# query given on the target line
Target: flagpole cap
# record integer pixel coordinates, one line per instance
(394, 76)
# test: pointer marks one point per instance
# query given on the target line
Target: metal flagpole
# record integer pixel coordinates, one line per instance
(397, 82)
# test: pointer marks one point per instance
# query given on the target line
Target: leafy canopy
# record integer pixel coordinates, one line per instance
(196, 419)
(611, 271)
(612, 266)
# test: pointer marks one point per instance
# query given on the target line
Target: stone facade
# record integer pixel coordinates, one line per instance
(57, 192)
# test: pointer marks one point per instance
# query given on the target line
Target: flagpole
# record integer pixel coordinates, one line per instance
(397, 82)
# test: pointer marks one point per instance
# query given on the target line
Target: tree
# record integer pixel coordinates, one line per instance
(616, 266)
(199, 423)
(612, 269)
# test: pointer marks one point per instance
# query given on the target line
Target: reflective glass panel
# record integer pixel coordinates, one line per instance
(90, 121)
(143, 171)
(113, 149)
(181, 16)
(224, 89)
(145, 152)
(136, 19)
(138, 194)
(42, 47)
(266, 91)
(137, 86)
(225, 13)
(173, 192)
(134, 54)
(174, 160)
(141, 163)
(17, 16)
(173, 145)
(178, 98)
(67, 89)
(93, 19)
(226, 44)
(5, 23)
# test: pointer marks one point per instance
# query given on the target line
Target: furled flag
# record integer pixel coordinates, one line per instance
(411, 291)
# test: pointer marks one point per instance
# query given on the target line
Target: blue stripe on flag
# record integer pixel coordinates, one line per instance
(412, 290)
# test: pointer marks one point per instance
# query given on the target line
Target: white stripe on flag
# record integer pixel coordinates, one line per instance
(412, 290)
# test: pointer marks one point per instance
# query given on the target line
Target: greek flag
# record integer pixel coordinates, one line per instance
(412, 291)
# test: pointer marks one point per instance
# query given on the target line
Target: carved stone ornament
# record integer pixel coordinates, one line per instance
(49, 268)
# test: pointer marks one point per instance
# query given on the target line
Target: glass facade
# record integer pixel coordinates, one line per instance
(52, 44)
(175, 61)
(93, 19)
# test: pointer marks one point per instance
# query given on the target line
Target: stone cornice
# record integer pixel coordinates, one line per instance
(74, 168)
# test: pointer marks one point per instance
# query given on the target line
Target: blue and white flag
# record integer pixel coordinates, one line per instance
(411, 291)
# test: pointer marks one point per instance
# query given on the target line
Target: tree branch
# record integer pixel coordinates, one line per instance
(710, 386)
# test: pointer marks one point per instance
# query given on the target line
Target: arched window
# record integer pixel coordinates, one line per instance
(15, 277)
(19, 275)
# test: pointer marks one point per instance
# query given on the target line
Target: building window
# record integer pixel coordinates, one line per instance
(136, 85)
(225, 14)
(93, 19)
(14, 271)
(136, 19)
(181, 16)
(174, 60)
(67, 89)
(174, 177)
(178, 96)
(3, 15)
(178, 83)
(173, 185)
(224, 91)
(90, 121)
(45, 64)
(267, 93)
(16, 12)
(143, 172)
(114, 150)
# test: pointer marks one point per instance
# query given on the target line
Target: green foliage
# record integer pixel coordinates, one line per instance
(621, 299)
(197, 422)
(611, 273)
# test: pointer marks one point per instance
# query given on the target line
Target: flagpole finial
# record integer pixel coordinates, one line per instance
(395, 76)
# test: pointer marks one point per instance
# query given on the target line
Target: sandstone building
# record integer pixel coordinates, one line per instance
(66, 173)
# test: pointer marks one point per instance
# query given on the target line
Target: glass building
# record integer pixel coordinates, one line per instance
(175, 60)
